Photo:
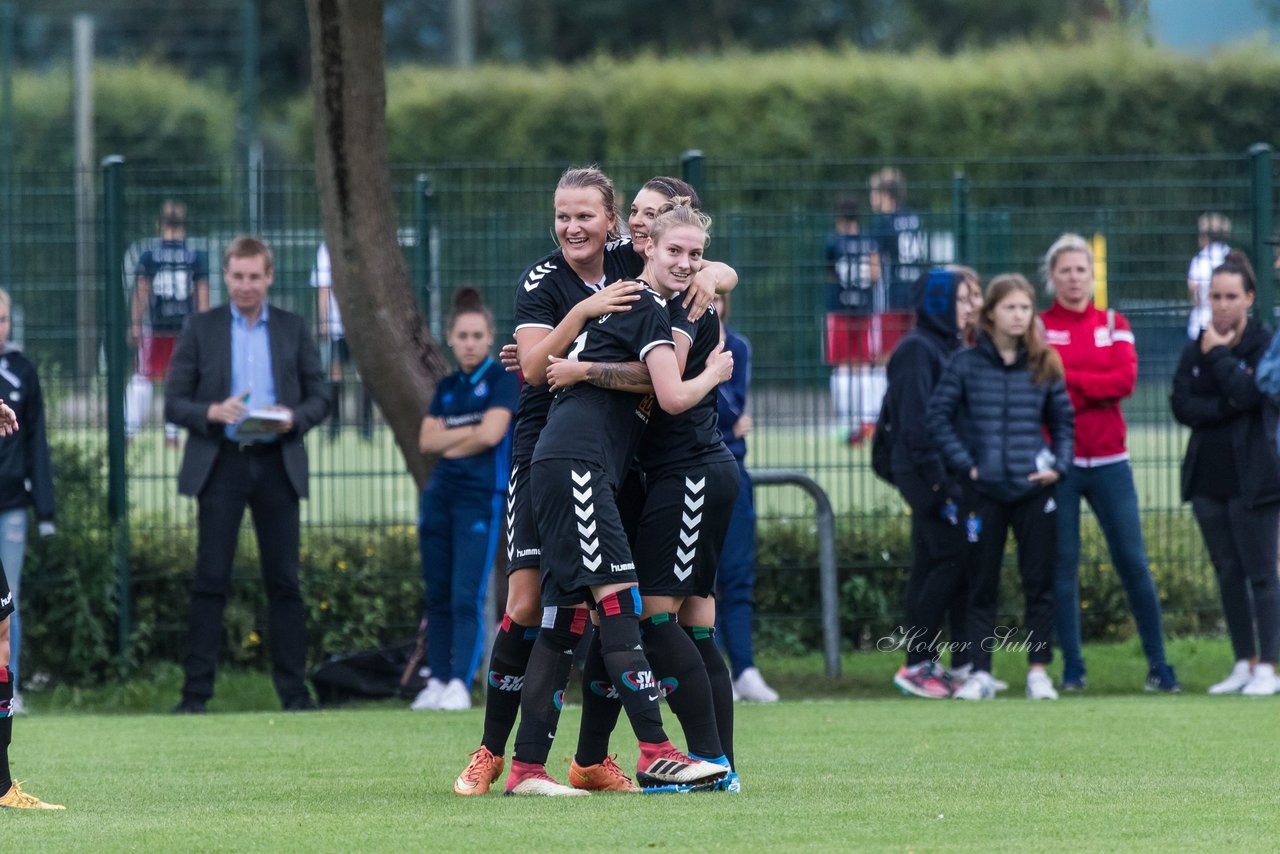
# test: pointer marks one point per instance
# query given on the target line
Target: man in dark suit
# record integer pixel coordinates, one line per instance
(230, 362)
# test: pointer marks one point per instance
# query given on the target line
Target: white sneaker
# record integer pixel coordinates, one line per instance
(1233, 684)
(979, 686)
(751, 687)
(456, 697)
(1263, 683)
(428, 697)
(1040, 686)
(998, 684)
(16, 705)
(959, 674)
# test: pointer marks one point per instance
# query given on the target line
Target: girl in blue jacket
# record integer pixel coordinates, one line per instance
(990, 414)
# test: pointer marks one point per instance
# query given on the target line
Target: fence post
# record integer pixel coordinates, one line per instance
(1260, 202)
(960, 215)
(691, 170)
(429, 297)
(117, 367)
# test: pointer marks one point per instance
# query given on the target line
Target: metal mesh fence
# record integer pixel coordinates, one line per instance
(485, 222)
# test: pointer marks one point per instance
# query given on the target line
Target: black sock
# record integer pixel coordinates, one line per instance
(511, 648)
(600, 707)
(627, 665)
(704, 638)
(545, 679)
(683, 680)
(6, 728)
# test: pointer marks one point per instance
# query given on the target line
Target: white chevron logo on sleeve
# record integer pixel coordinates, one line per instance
(587, 530)
(691, 522)
(584, 513)
(580, 479)
(688, 538)
(695, 506)
(685, 556)
(582, 497)
(693, 486)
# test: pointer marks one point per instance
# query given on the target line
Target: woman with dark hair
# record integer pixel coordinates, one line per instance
(1101, 363)
(1231, 472)
(989, 415)
(467, 427)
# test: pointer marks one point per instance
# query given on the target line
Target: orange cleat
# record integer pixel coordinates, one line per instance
(483, 769)
(604, 777)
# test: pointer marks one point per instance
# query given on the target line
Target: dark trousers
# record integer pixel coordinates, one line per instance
(256, 478)
(937, 587)
(736, 579)
(1242, 545)
(1034, 521)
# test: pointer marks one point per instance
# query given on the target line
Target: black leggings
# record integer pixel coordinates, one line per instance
(1242, 545)
(937, 581)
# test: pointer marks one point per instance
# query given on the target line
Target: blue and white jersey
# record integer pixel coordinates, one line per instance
(852, 288)
(173, 268)
(463, 399)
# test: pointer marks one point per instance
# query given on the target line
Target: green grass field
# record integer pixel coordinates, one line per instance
(842, 765)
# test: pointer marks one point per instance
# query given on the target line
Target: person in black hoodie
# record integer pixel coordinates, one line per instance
(1231, 472)
(988, 416)
(947, 304)
(26, 474)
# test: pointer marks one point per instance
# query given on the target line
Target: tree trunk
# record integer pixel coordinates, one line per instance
(399, 361)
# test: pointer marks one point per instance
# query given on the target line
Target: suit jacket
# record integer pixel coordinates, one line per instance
(200, 374)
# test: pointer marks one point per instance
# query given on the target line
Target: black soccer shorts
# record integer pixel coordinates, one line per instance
(524, 549)
(686, 515)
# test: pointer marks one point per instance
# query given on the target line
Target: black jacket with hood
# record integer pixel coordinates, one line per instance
(914, 370)
(1216, 396)
(26, 471)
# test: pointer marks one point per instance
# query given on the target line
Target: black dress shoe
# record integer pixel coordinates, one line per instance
(302, 703)
(189, 706)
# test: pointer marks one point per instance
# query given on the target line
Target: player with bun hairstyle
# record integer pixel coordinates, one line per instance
(691, 482)
(467, 427)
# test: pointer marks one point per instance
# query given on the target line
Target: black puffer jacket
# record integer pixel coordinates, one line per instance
(991, 415)
(1217, 389)
(914, 370)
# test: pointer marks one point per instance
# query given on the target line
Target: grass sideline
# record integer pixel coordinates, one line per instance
(845, 765)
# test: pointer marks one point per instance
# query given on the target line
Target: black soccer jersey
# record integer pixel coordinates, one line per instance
(694, 435)
(598, 425)
(173, 268)
(546, 292)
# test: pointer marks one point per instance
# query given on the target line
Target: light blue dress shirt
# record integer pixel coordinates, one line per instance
(251, 364)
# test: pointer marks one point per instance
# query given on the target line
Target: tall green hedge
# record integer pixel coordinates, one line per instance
(149, 113)
(1111, 96)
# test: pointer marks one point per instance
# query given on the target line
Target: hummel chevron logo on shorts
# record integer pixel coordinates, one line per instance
(585, 510)
(511, 513)
(687, 547)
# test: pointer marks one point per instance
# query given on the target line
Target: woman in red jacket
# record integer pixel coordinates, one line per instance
(1097, 351)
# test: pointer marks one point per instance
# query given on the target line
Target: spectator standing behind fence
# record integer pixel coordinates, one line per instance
(333, 336)
(172, 283)
(26, 475)
(247, 384)
(904, 249)
(855, 300)
(1231, 472)
(467, 426)
(1214, 231)
(736, 576)
(946, 304)
(990, 414)
(1101, 364)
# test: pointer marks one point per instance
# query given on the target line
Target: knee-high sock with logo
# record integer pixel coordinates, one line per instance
(6, 727)
(627, 665)
(511, 649)
(545, 679)
(683, 679)
(704, 638)
(600, 707)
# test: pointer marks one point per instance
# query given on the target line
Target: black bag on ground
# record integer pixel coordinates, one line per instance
(389, 671)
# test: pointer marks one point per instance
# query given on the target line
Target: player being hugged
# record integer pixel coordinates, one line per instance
(589, 440)
(691, 482)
